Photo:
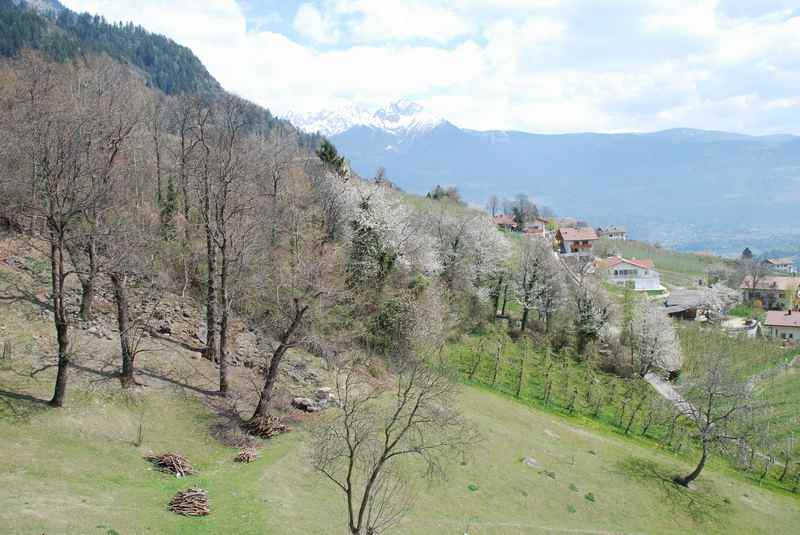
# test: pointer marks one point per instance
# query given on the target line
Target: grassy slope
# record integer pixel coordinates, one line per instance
(677, 269)
(77, 471)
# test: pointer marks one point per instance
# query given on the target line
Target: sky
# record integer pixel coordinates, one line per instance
(545, 66)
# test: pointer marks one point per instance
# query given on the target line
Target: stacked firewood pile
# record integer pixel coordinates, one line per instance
(172, 463)
(246, 455)
(266, 427)
(190, 502)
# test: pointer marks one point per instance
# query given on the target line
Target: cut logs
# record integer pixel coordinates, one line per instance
(172, 463)
(266, 427)
(190, 502)
(246, 455)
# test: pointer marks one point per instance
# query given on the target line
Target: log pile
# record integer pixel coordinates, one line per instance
(190, 502)
(172, 463)
(266, 427)
(246, 455)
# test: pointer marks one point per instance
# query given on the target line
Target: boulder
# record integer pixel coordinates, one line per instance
(533, 463)
(306, 404)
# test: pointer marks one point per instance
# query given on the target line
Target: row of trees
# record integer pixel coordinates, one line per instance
(181, 192)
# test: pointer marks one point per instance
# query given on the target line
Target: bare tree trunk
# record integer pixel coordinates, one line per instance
(120, 283)
(59, 315)
(224, 321)
(505, 300)
(524, 322)
(211, 298)
(521, 378)
(86, 258)
(262, 409)
(785, 469)
(685, 480)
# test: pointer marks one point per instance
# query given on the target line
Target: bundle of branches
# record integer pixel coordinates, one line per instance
(172, 463)
(266, 427)
(246, 455)
(190, 502)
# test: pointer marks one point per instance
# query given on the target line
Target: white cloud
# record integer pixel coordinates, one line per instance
(403, 20)
(310, 22)
(538, 65)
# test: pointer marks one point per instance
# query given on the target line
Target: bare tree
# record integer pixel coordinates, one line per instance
(716, 398)
(751, 271)
(127, 244)
(107, 102)
(493, 205)
(297, 274)
(359, 444)
(72, 153)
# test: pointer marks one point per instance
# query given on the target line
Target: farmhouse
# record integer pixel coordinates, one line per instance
(505, 222)
(613, 233)
(637, 274)
(770, 291)
(537, 228)
(780, 264)
(576, 241)
(783, 324)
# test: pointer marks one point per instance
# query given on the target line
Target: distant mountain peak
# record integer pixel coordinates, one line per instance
(401, 117)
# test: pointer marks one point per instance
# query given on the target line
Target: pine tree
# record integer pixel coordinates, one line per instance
(168, 210)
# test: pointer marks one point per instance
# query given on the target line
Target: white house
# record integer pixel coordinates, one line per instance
(780, 264)
(783, 324)
(613, 233)
(637, 274)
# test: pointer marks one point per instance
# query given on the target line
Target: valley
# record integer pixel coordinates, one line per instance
(224, 312)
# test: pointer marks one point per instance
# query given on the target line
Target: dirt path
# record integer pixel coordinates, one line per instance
(668, 392)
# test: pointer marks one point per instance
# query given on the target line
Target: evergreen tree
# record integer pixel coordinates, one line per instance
(330, 156)
(169, 209)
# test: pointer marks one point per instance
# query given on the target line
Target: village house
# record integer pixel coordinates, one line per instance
(537, 228)
(613, 233)
(576, 241)
(780, 264)
(639, 275)
(783, 324)
(770, 291)
(505, 222)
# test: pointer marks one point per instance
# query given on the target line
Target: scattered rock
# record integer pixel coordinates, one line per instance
(306, 405)
(163, 327)
(533, 463)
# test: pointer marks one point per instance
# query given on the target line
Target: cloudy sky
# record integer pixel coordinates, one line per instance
(533, 65)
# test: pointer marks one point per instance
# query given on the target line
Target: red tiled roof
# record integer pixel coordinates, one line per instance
(504, 219)
(578, 234)
(780, 318)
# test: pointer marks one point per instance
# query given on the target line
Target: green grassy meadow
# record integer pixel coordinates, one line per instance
(78, 471)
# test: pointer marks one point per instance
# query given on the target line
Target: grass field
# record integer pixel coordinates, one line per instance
(77, 471)
(677, 269)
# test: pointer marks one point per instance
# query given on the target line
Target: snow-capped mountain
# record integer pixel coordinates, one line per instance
(401, 117)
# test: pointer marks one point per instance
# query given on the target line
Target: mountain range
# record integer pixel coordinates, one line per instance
(679, 186)
(689, 188)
